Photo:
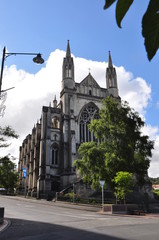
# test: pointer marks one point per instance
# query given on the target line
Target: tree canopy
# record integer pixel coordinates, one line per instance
(5, 133)
(123, 184)
(150, 22)
(119, 145)
(8, 174)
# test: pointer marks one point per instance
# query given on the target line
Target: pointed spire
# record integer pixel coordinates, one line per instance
(111, 78)
(55, 102)
(68, 70)
(68, 51)
(110, 61)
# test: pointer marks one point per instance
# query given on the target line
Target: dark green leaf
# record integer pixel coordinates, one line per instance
(108, 3)
(121, 9)
(150, 28)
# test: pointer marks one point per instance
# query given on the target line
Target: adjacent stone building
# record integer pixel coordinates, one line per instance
(49, 151)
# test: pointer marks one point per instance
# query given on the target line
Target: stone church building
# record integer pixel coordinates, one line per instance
(49, 151)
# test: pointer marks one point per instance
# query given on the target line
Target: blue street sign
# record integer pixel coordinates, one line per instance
(24, 172)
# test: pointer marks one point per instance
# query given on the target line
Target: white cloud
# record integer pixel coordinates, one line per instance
(32, 91)
(153, 133)
(134, 90)
(154, 166)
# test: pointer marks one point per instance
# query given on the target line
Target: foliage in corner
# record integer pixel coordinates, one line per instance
(150, 28)
(150, 22)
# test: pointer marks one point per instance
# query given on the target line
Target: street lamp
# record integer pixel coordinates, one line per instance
(38, 59)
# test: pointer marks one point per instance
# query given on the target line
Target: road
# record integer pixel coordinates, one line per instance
(42, 220)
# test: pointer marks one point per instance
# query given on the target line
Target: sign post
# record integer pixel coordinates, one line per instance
(24, 176)
(102, 185)
(73, 193)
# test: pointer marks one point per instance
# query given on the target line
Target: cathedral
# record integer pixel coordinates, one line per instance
(49, 151)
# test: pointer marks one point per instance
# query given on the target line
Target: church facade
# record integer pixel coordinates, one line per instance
(49, 151)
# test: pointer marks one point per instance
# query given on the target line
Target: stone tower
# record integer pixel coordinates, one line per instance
(67, 98)
(111, 79)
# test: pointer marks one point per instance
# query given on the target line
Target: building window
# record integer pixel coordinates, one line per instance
(55, 155)
(90, 92)
(89, 112)
(68, 71)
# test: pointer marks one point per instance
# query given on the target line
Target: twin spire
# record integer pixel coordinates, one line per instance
(68, 70)
(68, 51)
(68, 73)
(111, 78)
(110, 61)
(68, 55)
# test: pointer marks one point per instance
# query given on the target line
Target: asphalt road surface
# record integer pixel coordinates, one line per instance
(42, 220)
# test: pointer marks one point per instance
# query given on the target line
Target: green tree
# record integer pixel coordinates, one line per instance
(150, 22)
(5, 133)
(8, 174)
(119, 145)
(123, 184)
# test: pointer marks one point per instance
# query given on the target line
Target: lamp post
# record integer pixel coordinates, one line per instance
(38, 59)
(102, 185)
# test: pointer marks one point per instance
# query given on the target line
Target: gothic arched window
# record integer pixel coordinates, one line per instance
(89, 112)
(55, 155)
(68, 71)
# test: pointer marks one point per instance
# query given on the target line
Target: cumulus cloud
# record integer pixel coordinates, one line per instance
(153, 170)
(152, 132)
(32, 91)
(134, 90)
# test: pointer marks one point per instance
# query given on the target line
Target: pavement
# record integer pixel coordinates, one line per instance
(6, 223)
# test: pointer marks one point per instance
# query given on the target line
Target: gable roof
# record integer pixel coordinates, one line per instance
(89, 81)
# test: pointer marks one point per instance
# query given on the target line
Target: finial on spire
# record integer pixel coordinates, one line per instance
(68, 51)
(55, 102)
(89, 69)
(110, 61)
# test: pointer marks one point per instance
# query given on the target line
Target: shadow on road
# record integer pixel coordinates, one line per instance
(23, 230)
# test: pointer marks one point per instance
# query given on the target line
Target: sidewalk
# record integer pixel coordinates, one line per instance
(86, 207)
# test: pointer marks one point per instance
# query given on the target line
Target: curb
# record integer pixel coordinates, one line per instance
(4, 225)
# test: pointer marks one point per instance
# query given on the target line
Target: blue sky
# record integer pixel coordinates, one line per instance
(44, 26)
